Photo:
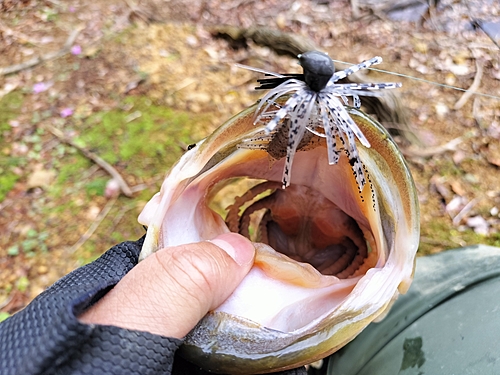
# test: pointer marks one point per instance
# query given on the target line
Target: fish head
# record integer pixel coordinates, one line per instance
(330, 258)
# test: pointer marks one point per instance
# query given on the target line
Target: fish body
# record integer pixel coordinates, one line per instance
(289, 310)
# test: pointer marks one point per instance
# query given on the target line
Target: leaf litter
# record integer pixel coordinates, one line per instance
(156, 68)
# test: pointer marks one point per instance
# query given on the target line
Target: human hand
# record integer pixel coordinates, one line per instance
(170, 291)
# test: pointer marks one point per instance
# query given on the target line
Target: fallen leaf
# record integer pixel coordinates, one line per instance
(457, 187)
(41, 177)
(493, 154)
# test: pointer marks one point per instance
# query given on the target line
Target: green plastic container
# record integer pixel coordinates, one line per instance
(448, 323)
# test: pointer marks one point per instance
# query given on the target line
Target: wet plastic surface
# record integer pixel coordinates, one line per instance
(448, 323)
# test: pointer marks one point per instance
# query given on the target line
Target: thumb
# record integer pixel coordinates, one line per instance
(169, 292)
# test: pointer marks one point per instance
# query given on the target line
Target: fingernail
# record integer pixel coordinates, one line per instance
(236, 246)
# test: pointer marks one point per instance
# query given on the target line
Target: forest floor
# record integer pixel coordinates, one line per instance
(134, 82)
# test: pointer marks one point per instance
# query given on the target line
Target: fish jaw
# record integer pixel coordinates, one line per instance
(271, 323)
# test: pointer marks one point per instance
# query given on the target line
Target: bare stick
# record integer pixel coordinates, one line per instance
(468, 207)
(281, 42)
(7, 300)
(125, 189)
(120, 215)
(104, 212)
(431, 151)
(472, 89)
(431, 241)
(39, 59)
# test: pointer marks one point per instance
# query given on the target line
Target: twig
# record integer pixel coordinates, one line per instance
(39, 59)
(472, 89)
(7, 300)
(281, 42)
(120, 215)
(431, 151)
(104, 212)
(125, 189)
(458, 218)
(431, 241)
(16, 34)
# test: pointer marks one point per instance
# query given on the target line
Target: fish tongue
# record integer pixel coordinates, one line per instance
(277, 289)
(281, 267)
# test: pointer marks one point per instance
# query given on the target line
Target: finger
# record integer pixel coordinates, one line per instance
(168, 293)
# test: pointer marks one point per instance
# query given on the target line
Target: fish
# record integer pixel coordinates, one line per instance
(330, 259)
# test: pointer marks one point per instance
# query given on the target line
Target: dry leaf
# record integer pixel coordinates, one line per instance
(41, 177)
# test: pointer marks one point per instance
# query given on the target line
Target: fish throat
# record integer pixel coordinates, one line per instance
(301, 223)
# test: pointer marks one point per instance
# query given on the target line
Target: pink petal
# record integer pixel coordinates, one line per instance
(66, 112)
(40, 87)
(76, 50)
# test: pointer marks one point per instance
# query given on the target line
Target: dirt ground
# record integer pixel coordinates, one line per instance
(134, 82)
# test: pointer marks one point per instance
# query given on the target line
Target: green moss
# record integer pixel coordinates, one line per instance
(448, 168)
(71, 168)
(7, 177)
(7, 182)
(10, 108)
(3, 316)
(440, 235)
(144, 139)
(141, 140)
(96, 187)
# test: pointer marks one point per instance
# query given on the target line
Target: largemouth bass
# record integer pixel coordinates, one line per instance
(331, 254)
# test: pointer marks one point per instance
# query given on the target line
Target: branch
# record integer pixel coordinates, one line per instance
(431, 151)
(39, 59)
(468, 207)
(281, 42)
(125, 189)
(104, 212)
(473, 88)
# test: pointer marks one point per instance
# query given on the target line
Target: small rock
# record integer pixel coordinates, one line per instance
(92, 212)
(458, 157)
(441, 109)
(479, 224)
(455, 205)
(192, 41)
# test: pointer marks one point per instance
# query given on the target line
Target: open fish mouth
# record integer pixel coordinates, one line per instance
(330, 258)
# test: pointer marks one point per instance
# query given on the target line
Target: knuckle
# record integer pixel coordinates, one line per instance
(194, 269)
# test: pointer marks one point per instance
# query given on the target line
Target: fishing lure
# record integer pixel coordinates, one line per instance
(315, 104)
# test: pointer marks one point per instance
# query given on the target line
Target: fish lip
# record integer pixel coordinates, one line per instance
(180, 184)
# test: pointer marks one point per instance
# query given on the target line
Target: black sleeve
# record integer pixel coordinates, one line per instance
(47, 338)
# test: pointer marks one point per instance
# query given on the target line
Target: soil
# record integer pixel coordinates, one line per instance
(144, 79)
